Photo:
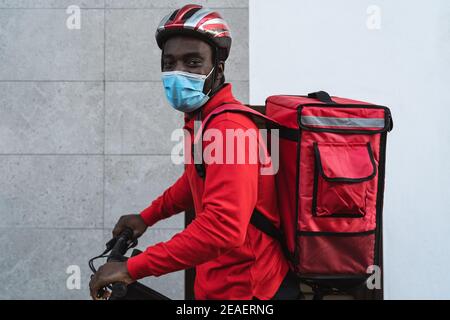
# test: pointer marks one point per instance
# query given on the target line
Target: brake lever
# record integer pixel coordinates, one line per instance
(109, 245)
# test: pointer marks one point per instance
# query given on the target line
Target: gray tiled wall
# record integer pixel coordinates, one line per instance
(85, 134)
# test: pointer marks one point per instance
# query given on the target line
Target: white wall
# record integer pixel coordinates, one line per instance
(301, 46)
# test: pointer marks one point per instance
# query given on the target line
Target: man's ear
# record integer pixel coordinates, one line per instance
(220, 73)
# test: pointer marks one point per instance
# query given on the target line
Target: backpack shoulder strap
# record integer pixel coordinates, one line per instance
(227, 107)
(231, 107)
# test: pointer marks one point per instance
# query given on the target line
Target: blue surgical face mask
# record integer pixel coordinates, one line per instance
(184, 90)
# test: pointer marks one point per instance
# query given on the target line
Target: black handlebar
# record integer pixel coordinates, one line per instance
(117, 248)
(120, 247)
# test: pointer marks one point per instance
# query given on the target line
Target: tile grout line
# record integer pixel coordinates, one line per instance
(104, 115)
(77, 228)
(99, 81)
(116, 8)
(86, 154)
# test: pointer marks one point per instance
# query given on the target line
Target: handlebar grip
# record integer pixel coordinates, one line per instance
(118, 291)
(121, 245)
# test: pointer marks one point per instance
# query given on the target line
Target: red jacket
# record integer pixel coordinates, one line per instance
(233, 259)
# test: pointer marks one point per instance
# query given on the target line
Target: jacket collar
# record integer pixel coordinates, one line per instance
(222, 96)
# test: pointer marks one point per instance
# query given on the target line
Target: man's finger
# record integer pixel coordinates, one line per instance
(106, 294)
(94, 286)
(118, 228)
(91, 284)
(116, 231)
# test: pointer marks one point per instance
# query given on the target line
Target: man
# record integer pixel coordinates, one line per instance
(233, 259)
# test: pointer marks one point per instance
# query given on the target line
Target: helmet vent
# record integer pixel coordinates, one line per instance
(190, 13)
(173, 15)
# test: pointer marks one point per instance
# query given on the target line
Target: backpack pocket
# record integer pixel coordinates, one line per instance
(342, 179)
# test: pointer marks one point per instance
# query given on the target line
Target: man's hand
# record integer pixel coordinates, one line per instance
(132, 221)
(109, 273)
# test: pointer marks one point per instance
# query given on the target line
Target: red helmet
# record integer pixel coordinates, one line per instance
(196, 21)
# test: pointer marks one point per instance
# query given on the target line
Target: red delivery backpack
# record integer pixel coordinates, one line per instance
(330, 184)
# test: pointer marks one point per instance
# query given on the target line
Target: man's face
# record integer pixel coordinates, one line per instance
(187, 54)
(192, 55)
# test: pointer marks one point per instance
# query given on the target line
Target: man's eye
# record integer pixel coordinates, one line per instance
(194, 63)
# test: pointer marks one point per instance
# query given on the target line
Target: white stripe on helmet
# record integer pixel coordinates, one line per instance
(213, 21)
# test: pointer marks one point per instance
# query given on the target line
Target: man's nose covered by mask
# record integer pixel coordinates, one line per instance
(184, 90)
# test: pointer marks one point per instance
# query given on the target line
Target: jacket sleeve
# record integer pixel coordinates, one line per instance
(175, 199)
(229, 197)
